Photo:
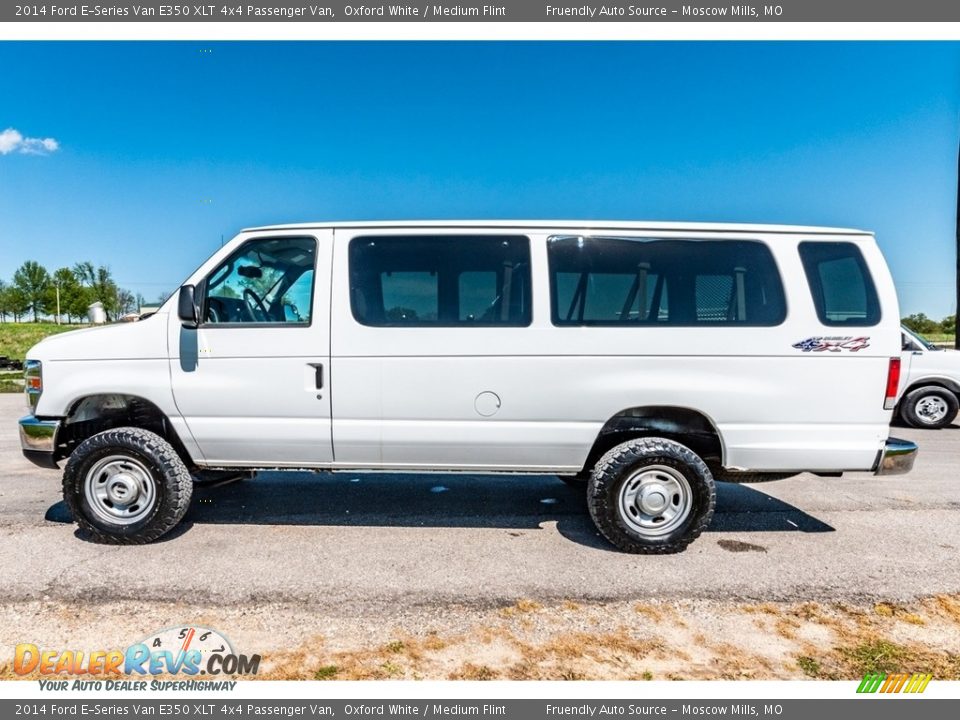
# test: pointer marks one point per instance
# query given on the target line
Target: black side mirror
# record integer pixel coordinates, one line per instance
(187, 309)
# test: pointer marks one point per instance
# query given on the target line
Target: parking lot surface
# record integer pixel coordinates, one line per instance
(370, 541)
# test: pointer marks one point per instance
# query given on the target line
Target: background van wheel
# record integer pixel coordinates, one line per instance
(651, 496)
(929, 407)
(126, 486)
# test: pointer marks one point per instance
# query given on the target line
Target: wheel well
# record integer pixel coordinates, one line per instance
(934, 382)
(688, 427)
(95, 413)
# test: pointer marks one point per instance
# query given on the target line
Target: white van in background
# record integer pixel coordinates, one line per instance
(931, 383)
(644, 357)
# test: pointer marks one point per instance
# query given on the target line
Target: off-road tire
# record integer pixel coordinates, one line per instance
(908, 407)
(173, 485)
(619, 464)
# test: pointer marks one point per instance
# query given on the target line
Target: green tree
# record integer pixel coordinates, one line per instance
(33, 281)
(920, 323)
(101, 286)
(15, 302)
(85, 273)
(4, 301)
(126, 302)
(107, 292)
(73, 296)
(949, 324)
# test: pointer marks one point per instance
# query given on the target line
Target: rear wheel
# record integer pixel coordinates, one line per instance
(651, 496)
(929, 407)
(126, 486)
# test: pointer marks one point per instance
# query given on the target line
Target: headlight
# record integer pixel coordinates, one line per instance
(32, 382)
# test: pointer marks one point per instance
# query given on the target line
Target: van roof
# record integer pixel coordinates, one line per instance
(590, 225)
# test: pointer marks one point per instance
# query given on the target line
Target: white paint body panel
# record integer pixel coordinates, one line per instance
(248, 393)
(922, 366)
(405, 398)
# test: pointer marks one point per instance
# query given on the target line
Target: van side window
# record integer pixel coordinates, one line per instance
(440, 281)
(843, 291)
(609, 281)
(269, 280)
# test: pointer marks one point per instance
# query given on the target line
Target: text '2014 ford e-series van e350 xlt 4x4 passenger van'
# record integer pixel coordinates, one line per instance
(642, 359)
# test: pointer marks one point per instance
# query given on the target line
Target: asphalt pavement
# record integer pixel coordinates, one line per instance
(369, 541)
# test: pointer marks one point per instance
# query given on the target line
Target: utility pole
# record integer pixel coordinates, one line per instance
(58, 303)
(956, 329)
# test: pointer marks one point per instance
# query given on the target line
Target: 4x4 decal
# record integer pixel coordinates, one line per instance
(833, 344)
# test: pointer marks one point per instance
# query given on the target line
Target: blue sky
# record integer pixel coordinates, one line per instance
(161, 148)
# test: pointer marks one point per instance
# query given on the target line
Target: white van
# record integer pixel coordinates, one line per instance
(645, 359)
(930, 388)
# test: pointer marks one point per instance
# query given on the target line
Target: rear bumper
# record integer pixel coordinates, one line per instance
(896, 458)
(38, 440)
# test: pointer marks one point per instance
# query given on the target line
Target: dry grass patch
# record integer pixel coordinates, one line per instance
(649, 611)
(534, 640)
(469, 671)
(521, 606)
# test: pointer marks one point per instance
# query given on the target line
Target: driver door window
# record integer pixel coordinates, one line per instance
(266, 281)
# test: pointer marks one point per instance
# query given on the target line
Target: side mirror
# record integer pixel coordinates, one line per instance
(187, 309)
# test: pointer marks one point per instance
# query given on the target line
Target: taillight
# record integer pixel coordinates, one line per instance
(893, 384)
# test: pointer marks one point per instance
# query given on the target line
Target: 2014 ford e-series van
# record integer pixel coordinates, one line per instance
(642, 360)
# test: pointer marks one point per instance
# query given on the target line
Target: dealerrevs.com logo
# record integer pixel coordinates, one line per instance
(187, 650)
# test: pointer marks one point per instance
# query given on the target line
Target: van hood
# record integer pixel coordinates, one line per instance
(140, 340)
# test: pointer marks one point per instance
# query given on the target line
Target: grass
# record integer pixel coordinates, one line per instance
(877, 655)
(16, 339)
(810, 666)
(939, 337)
(326, 672)
(685, 640)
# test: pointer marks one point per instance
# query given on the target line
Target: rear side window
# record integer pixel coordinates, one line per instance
(607, 281)
(843, 291)
(440, 281)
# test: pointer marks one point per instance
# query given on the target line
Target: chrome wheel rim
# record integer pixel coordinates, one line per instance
(120, 490)
(655, 501)
(932, 409)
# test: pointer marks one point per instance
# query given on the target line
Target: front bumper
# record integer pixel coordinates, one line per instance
(38, 440)
(897, 457)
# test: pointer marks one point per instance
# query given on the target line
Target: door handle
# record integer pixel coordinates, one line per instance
(318, 370)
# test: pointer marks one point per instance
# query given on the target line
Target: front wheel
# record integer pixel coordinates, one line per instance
(929, 407)
(126, 486)
(651, 496)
